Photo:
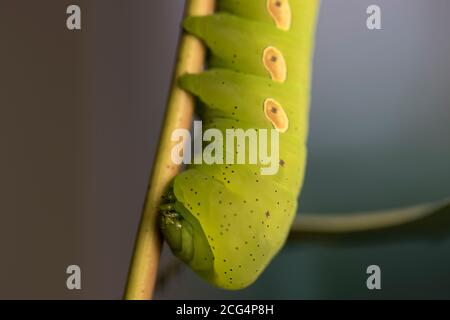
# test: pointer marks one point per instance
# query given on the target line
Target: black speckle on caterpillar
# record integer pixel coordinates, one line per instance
(228, 221)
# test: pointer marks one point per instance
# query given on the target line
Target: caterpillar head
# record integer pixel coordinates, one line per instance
(185, 236)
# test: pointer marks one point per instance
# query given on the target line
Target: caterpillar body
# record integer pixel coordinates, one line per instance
(228, 221)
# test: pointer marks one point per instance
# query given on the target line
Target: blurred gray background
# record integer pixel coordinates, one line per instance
(80, 115)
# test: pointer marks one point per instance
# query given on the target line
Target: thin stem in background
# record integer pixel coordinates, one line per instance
(425, 222)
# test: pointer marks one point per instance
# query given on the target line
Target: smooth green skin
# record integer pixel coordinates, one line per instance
(230, 220)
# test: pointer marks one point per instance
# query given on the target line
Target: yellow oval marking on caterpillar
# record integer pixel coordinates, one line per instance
(280, 10)
(275, 113)
(275, 64)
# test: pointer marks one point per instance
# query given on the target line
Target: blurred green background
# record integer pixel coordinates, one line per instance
(80, 118)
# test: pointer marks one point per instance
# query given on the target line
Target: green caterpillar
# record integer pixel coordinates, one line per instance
(228, 221)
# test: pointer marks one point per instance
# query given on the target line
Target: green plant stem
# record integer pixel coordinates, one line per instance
(426, 221)
(179, 114)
